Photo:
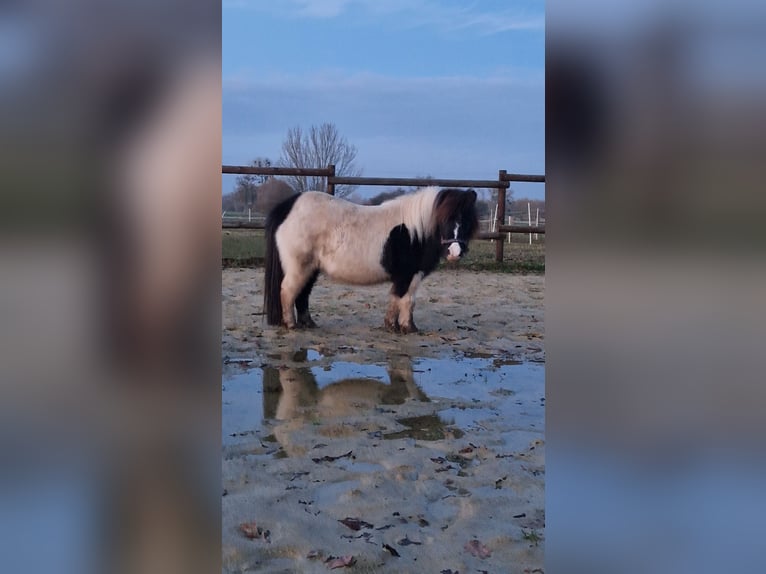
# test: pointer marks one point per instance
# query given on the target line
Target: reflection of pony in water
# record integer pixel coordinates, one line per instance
(292, 397)
(399, 241)
(290, 391)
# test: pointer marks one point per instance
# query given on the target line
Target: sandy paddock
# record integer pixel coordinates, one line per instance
(449, 499)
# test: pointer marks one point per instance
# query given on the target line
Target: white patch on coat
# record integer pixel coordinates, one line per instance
(454, 251)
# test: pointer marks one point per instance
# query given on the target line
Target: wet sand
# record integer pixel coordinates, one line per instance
(432, 443)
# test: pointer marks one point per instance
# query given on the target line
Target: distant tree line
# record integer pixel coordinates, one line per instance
(260, 198)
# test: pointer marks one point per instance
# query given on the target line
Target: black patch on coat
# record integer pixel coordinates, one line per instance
(403, 257)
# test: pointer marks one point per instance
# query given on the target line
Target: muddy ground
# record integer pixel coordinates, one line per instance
(432, 444)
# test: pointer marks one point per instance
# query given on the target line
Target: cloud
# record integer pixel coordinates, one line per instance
(383, 105)
(455, 126)
(320, 8)
(443, 15)
(454, 17)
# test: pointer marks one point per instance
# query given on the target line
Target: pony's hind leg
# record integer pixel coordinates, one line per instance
(292, 286)
(302, 303)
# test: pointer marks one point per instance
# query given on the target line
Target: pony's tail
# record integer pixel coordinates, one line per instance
(272, 300)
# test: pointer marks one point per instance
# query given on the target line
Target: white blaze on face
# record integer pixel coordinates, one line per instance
(454, 251)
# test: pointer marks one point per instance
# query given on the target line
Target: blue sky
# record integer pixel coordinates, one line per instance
(420, 87)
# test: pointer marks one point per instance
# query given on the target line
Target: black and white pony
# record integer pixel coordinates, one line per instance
(400, 241)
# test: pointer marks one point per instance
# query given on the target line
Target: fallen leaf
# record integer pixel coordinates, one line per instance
(355, 523)
(332, 458)
(298, 474)
(252, 531)
(365, 535)
(476, 548)
(340, 562)
(391, 549)
(406, 542)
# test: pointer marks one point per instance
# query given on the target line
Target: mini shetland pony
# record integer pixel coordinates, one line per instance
(400, 241)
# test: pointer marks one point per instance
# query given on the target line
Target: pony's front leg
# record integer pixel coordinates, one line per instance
(406, 320)
(407, 305)
(391, 320)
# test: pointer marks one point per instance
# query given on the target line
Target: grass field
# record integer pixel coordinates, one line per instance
(245, 248)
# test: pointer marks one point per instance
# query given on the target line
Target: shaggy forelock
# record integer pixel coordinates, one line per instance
(456, 204)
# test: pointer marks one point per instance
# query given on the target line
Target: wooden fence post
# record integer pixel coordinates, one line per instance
(500, 216)
(330, 182)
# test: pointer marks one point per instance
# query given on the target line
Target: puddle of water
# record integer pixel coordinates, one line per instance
(299, 356)
(242, 406)
(472, 389)
(340, 370)
(467, 378)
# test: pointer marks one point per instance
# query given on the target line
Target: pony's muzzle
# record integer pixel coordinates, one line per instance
(454, 252)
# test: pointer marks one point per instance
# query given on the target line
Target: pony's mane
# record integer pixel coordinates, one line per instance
(423, 211)
(416, 211)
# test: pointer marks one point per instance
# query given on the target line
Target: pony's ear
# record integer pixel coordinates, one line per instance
(471, 196)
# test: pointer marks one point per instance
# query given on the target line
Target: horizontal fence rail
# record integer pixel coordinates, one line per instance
(415, 181)
(242, 224)
(520, 177)
(502, 230)
(249, 170)
(502, 183)
(521, 229)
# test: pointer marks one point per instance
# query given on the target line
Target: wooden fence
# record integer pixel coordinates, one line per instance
(502, 183)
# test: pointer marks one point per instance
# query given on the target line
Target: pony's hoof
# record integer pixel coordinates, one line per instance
(408, 328)
(307, 324)
(392, 326)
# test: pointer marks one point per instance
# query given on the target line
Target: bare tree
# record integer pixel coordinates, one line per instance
(319, 147)
(246, 187)
(493, 196)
